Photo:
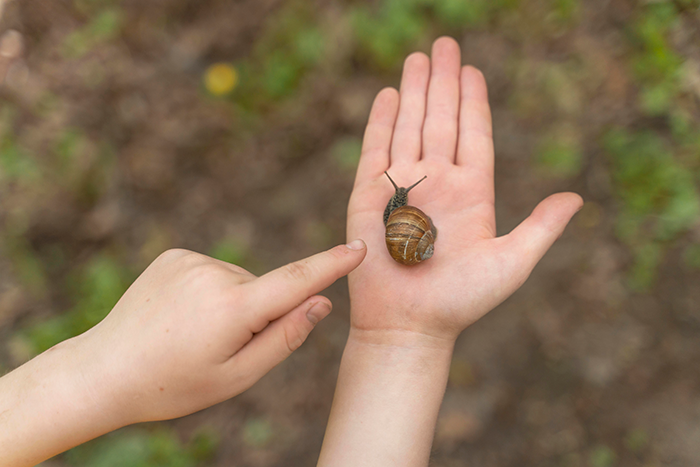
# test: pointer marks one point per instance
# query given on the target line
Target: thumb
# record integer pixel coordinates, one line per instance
(280, 338)
(530, 240)
(277, 292)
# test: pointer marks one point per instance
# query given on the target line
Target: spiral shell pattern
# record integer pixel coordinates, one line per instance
(410, 235)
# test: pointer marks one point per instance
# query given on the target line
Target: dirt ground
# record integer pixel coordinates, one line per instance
(575, 369)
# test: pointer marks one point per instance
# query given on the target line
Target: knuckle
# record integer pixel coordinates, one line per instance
(173, 254)
(299, 271)
(293, 337)
(207, 275)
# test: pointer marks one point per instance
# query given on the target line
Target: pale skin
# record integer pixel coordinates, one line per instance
(189, 333)
(405, 319)
(193, 331)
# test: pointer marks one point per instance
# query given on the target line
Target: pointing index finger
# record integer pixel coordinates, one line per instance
(277, 292)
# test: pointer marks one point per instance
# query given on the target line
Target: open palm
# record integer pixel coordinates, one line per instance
(439, 125)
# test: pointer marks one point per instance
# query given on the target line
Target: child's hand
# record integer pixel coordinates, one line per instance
(405, 319)
(190, 332)
(193, 331)
(440, 126)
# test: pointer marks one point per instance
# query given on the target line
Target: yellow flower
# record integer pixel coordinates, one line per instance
(220, 79)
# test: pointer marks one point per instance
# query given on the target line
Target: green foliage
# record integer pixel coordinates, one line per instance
(27, 266)
(565, 10)
(545, 88)
(389, 33)
(257, 433)
(691, 256)
(83, 166)
(346, 153)
(562, 15)
(560, 153)
(138, 447)
(97, 287)
(469, 14)
(103, 28)
(655, 63)
(650, 182)
(309, 46)
(281, 74)
(657, 194)
(291, 46)
(15, 164)
(90, 7)
(636, 440)
(602, 456)
(230, 250)
(462, 13)
(647, 257)
(69, 143)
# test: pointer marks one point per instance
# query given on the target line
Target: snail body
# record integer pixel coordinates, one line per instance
(410, 233)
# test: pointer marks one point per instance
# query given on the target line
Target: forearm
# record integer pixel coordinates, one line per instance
(385, 408)
(49, 405)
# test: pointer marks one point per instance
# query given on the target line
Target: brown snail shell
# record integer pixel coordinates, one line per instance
(410, 235)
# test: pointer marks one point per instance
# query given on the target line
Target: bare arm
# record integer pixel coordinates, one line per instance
(192, 331)
(48, 405)
(387, 400)
(405, 319)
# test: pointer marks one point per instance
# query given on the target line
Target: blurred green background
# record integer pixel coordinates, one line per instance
(234, 129)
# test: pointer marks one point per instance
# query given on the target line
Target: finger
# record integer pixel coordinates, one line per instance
(11, 45)
(279, 339)
(374, 159)
(530, 240)
(406, 145)
(274, 294)
(475, 143)
(440, 130)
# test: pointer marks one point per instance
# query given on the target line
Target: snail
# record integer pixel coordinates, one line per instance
(410, 233)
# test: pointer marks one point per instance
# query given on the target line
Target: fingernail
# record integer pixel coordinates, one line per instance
(317, 312)
(356, 245)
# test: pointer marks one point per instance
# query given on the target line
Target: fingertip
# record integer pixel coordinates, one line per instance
(352, 254)
(417, 60)
(473, 83)
(385, 107)
(387, 96)
(580, 201)
(318, 311)
(558, 208)
(358, 244)
(472, 70)
(446, 42)
(471, 73)
(280, 338)
(546, 223)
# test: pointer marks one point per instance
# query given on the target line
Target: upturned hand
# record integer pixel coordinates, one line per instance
(439, 125)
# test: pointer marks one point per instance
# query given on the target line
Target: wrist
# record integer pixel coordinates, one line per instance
(100, 381)
(389, 391)
(401, 340)
(53, 403)
(400, 352)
